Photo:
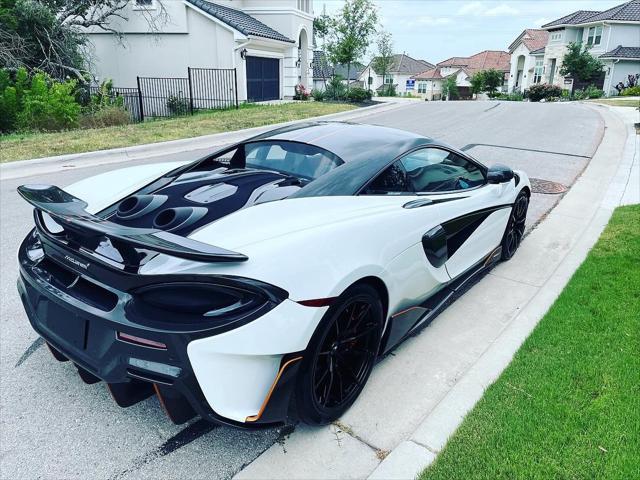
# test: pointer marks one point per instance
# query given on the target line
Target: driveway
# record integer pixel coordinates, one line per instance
(52, 425)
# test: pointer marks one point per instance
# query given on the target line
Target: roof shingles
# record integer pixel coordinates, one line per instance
(625, 12)
(242, 22)
(623, 52)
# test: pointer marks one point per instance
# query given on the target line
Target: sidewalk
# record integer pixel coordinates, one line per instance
(416, 399)
(39, 166)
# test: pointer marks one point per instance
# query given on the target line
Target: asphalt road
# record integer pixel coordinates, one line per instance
(54, 426)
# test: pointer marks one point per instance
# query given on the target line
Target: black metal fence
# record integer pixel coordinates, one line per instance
(201, 89)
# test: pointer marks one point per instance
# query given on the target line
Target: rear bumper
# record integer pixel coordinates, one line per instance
(242, 377)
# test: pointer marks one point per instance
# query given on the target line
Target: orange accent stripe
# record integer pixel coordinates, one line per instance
(404, 311)
(254, 418)
(164, 407)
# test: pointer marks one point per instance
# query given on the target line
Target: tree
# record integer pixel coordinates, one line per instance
(382, 63)
(351, 31)
(450, 87)
(477, 82)
(47, 34)
(321, 29)
(492, 80)
(579, 64)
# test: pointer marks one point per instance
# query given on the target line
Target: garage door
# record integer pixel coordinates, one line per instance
(263, 79)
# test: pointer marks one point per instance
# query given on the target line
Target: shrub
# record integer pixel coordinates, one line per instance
(593, 92)
(318, 95)
(631, 91)
(11, 96)
(178, 105)
(388, 90)
(358, 95)
(541, 91)
(335, 90)
(579, 95)
(105, 117)
(48, 105)
(301, 93)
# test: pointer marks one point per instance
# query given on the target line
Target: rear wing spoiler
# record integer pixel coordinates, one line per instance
(70, 212)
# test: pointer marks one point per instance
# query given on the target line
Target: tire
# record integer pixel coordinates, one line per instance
(340, 356)
(515, 226)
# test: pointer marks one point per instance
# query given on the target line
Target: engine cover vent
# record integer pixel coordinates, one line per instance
(211, 193)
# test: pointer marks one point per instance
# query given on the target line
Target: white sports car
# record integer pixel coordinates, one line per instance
(278, 268)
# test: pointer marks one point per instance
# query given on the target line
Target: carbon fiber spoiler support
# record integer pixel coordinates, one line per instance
(71, 212)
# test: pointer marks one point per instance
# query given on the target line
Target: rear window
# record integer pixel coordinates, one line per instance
(290, 158)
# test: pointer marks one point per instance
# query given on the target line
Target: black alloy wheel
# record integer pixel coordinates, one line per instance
(515, 226)
(340, 356)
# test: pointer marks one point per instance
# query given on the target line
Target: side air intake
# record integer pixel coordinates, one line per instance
(172, 219)
(136, 206)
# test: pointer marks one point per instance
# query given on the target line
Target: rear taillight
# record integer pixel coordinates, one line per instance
(219, 302)
(144, 342)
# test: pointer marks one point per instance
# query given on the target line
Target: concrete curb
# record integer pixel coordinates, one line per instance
(24, 168)
(549, 256)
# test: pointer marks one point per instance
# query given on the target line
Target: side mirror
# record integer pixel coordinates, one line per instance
(499, 174)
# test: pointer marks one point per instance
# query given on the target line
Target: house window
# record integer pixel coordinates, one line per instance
(538, 70)
(422, 87)
(388, 79)
(595, 35)
(556, 36)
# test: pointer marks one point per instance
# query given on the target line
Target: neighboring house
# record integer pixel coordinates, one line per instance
(612, 35)
(429, 82)
(269, 45)
(323, 71)
(527, 59)
(402, 68)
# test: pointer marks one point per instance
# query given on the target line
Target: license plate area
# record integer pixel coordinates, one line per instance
(67, 327)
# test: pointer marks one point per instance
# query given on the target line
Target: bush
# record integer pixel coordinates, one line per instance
(318, 95)
(541, 91)
(178, 105)
(48, 105)
(11, 96)
(593, 92)
(335, 90)
(110, 116)
(388, 90)
(631, 91)
(301, 93)
(358, 95)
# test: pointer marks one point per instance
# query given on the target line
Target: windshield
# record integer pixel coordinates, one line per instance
(291, 158)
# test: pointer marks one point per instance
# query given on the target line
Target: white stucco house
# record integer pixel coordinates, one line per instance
(612, 35)
(527, 59)
(268, 43)
(403, 68)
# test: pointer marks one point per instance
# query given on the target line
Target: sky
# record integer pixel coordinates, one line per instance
(435, 30)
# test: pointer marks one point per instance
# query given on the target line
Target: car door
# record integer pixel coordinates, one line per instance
(471, 213)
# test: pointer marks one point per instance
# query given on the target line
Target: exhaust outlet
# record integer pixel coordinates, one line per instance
(172, 219)
(137, 206)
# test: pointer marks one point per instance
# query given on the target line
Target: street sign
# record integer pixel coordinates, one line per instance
(411, 83)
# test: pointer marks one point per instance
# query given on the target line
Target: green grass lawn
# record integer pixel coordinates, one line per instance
(618, 101)
(568, 405)
(36, 145)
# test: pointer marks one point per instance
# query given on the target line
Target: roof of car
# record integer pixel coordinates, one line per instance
(365, 149)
